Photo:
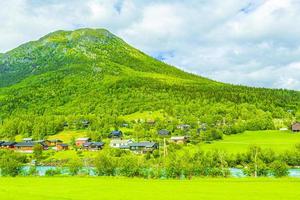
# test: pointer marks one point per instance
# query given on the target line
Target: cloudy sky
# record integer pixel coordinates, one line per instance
(249, 42)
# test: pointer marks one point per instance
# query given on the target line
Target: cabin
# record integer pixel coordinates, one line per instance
(119, 143)
(62, 147)
(54, 143)
(296, 127)
(8, 145)
(29, 146)
(93, 146)
(116, 134)
(143, 147)
(183, 127)
(179, 139)
(80, 141)
(164, 132)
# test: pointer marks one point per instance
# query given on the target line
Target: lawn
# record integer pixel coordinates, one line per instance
(279, 141)
(135, 189)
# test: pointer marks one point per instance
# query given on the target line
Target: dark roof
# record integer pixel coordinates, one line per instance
(164, 132)
(116, 133)
(63, 145)
(29, 144)
(8, 143)
(143, 144)
(56, 140)
(97, 144)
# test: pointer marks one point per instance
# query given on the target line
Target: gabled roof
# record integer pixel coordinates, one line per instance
(143, 144)
(8, 143)
(97, 144)
(164, 132)
(63, 145)
(29, 144)
(27, 139)
(119, 141)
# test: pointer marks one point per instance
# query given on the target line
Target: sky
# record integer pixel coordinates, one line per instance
(248, 42)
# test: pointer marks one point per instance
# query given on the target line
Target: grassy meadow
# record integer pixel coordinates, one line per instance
(278, 141)
(61, 188)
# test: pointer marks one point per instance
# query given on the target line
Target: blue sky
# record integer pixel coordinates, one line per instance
(249, 42)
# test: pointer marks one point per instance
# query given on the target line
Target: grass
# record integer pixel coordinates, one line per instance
(62, 188)
(67, 135)
(279, 141)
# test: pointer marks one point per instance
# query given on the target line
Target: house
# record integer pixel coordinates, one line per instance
(116, 134)
(62, 146)
(179, 139)
(164, 132)
(80, 141)
(53, 143)
(29, 146)
(27, 139)
(296, 127)
(93, 146)
(143, 147)
(119, 143)
(8, 145)
(183, 127)
(151, 121)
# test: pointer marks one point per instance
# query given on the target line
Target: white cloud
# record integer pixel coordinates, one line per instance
(253, 42)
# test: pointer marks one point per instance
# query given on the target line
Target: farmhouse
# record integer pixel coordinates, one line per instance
(29, 146)
(143, 147)
(80, 141)
(163, 132)
(53, 143)
(8, 145)
(116, 134)
(119, 143)
(179, 139)
(62, 147)
(93, 146)
(296, 127)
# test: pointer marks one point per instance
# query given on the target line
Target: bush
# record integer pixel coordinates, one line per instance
(279, 169)
(52, 172)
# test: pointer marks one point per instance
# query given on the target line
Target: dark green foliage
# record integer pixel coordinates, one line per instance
(11, 163)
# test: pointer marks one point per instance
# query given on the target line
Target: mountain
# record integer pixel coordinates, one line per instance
(67, 77)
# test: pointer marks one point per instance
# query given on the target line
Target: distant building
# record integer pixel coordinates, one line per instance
(80, 141)
(93, 146)
(296, 127)
(179, 139)
(29, 146)
(283, 129)
(116, 134)
(8, 145)
(53, 143)
(27, 139)
(62, 146)
(119, 143)
(143, 147)
(163, 132)
(183, 127)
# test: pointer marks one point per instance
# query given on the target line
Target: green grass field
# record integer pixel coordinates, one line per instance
(62, 188)
(279, 141)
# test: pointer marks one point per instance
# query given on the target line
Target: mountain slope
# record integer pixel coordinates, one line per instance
(90, 74)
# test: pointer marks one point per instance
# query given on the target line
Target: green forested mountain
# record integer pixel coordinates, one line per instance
(68, 77)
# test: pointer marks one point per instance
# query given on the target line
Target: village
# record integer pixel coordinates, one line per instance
(27, 145)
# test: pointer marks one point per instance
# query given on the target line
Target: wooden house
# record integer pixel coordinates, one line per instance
(54, 143)
(296, 127)
(93, 146)
(8, 145)
(62, 147)
(143, 147)
(80, 141)
(29, 146)
(179, 139)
